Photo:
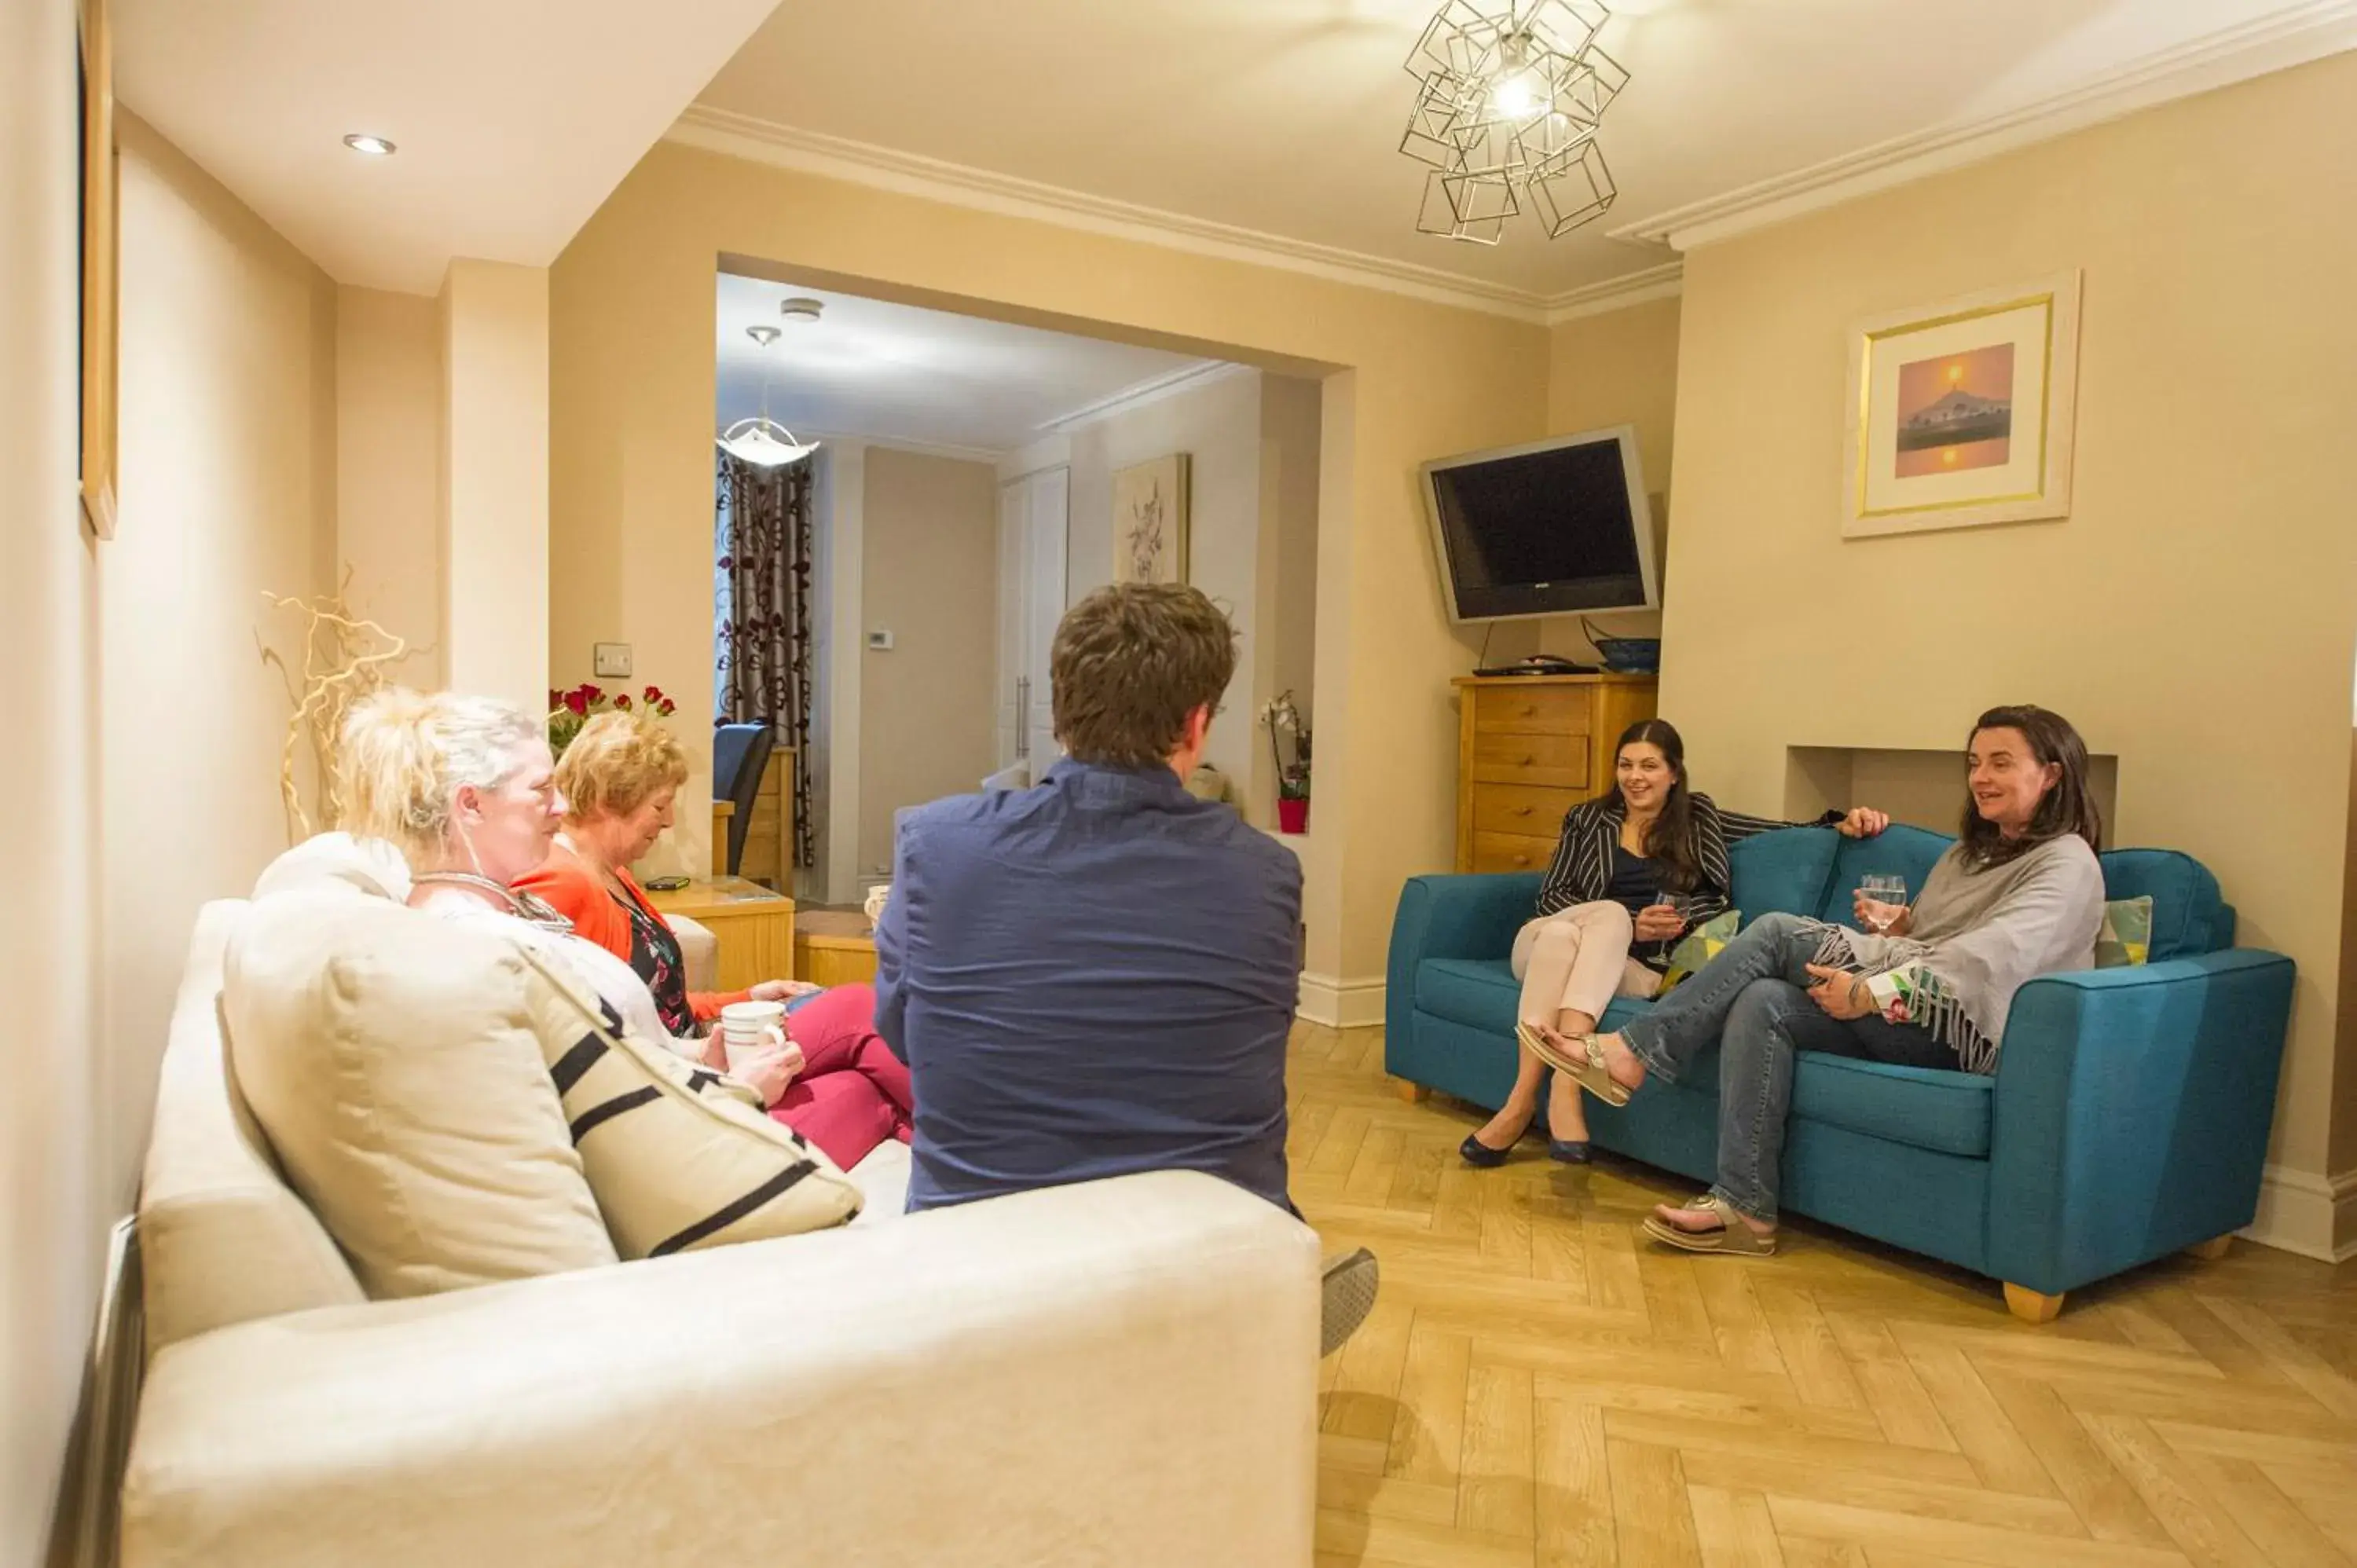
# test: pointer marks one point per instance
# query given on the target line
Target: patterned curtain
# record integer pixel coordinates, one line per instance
(761, 579)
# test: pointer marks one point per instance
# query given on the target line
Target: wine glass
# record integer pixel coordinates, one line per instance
(1890, 892)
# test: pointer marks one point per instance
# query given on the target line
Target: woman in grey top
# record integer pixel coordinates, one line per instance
(2019, 894)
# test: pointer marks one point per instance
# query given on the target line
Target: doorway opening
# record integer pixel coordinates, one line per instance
(963, 492)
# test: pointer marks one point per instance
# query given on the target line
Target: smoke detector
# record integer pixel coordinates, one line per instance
(800, 309)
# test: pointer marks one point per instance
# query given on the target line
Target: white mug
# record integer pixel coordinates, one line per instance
(750, 1020)
(877, 896)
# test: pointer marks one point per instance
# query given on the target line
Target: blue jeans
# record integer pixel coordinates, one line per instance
(1753, 997)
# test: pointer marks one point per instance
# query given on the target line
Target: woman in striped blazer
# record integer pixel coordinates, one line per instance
(1634, 870)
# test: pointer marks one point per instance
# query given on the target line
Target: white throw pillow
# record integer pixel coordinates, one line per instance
(679, 1156)
(392, 1062)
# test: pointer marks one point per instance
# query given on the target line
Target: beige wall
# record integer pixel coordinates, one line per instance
(495, 485)
(228, 492)
(56, 1196)
(2344, 1078)
(1217, 424)
(1288, 589)
(930, 577)
(2196, 614)
(1617, 368)
(631, 377)
(146, 707)
(388, 468)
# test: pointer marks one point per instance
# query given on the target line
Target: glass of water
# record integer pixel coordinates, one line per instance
(1887, 891)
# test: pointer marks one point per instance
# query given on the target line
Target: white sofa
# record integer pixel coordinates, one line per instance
(1122, 1372)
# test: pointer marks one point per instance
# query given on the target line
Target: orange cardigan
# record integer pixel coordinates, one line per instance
(575, 892)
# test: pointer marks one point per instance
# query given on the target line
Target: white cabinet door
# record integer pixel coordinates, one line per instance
(1043, 608)
(1014, 543)
(1032, 526)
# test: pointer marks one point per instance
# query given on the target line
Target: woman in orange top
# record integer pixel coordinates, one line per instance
(620, 779)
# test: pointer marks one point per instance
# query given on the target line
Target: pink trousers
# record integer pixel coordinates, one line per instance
(853, 1093)
(1576, 960)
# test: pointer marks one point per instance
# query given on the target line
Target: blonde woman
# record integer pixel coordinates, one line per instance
(465, 788)
(621, 779)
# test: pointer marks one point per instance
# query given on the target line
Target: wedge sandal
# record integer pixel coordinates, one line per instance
(1583, 1064)
(1733, 1238)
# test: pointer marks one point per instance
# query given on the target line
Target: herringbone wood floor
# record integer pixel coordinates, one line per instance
(1539, 1387)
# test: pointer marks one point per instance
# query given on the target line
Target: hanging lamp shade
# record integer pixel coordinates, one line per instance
(764, 443)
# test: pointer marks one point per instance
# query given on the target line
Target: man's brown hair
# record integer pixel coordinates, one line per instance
(1131, 662)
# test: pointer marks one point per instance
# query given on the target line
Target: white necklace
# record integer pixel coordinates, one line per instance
(528, 907)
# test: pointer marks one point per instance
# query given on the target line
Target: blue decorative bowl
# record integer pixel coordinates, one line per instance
(1626, 655)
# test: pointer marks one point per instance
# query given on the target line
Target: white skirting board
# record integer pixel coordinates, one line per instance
(2312, 1215)
(1342, 1003)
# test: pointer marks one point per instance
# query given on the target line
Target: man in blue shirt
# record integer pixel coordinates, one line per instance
(1096, 976)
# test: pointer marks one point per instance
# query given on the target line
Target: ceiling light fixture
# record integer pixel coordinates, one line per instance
(373, 147)
(1507, 108)
(763, 441)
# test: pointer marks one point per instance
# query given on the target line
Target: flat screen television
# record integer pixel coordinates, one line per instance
(1552, 528)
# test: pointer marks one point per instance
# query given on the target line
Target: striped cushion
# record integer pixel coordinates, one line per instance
(678, 1157)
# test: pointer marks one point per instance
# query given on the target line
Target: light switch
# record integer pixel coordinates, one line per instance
(612, 660)
(881, 641)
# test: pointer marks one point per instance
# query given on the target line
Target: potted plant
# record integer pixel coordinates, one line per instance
(568, 711)
(1292, 777)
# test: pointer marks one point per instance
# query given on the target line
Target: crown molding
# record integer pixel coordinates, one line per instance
(1664, 282)
(839, 438)
(934, 179)
(1154, 389)
(2293, 35)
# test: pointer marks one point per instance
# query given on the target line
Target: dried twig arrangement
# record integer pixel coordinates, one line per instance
(344, 661)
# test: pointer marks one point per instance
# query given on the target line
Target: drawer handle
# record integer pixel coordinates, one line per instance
(1528, 762)
(1530, 710)
(1522, 860)
(1522, 811)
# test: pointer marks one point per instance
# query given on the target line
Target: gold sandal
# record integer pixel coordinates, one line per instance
(1585, 1066)
(1734, 1236)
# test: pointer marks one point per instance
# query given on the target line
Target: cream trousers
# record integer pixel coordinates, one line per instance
(1576, 960)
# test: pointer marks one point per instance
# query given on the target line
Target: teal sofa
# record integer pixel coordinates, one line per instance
(2127, 1120)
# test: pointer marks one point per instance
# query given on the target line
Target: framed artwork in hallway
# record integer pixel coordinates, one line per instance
(1149, 522)
(1961, 414)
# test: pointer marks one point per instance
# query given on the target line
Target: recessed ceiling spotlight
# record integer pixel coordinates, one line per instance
(373, 146)
(801, 309)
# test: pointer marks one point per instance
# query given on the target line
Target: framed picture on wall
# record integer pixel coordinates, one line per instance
(99, 267)
(1960, 414)
(1149, 522)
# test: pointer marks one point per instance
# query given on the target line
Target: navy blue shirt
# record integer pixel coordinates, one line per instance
(1087, 979)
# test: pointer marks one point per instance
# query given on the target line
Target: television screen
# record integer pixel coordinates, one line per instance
(1557, 527)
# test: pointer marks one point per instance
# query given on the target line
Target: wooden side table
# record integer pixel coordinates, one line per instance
(754, 927)
(833, 948)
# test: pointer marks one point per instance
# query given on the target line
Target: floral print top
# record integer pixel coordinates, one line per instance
(654, 953)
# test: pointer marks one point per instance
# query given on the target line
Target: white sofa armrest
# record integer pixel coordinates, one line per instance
(1120, 1372)
(699, 953)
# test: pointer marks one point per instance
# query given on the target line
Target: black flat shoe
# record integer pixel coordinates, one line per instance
(1481, 1155)
(1571, 1152)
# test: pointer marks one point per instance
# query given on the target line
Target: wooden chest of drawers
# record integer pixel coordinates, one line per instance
(1530, 747)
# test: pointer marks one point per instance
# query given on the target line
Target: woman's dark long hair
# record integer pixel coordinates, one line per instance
(2069, 805)
(1670, 837)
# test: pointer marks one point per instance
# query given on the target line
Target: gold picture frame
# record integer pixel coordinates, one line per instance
(1961, 414)
(101, 240)
(1149, 522)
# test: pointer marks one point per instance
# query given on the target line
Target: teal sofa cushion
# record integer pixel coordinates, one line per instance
(1481, 992)
(1948, 1112)
(1783, 871)
(2189, 918)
